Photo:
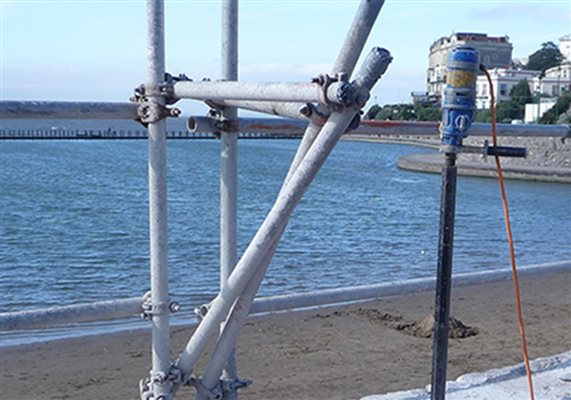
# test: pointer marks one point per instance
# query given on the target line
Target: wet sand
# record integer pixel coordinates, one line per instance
(331, 353)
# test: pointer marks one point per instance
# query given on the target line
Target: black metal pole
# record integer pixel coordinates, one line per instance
(444, 278)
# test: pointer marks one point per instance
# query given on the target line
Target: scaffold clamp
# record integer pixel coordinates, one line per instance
(149, 308)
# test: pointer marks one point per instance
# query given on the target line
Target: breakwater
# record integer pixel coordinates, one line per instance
(82, 134)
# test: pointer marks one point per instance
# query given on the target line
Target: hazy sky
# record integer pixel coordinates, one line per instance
(96, 50)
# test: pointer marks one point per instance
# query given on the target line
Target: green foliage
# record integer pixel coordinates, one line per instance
(374, 110)
(514, 108)
(405, 112)
(521, 95)
(508, 110)
(546, 57)
(563, 103)
(427, 112)
(396, 112)
(484, 115)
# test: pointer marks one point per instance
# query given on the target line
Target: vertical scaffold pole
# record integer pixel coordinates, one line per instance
(158, 207)
(229, 168)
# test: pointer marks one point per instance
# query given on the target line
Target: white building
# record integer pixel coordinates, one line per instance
(494, 52)
(503, 80)
(555, 81)
(565, 46)
(562, 71)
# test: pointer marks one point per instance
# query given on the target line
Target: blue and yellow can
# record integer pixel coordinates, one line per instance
(459, 97)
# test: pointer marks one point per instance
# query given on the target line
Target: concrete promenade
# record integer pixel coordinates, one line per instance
(432, 163)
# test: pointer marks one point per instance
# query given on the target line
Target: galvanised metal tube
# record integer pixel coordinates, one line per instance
(245, 279)
(229, 171)
(368, 292)
(307, 141)
(235, 321)
(158, 208)
(249, 125)
(384, 128)
(288, 92)
(346, 61)
(67, 110)
(287, 110)
(47, 317)
(264, 238)
(372, 69)
(115, 309)
(428, 128)
(357, 36)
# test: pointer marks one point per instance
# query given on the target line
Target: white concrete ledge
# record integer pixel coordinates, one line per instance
(550, 379)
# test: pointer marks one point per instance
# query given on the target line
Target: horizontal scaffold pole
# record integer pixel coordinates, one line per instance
(335, 93)
(67, 110)
(116, 309)
(277, 126)
(383, 128)
(48, 317)
(367, 292)
(300, 111)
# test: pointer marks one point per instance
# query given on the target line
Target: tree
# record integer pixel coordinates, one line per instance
(373, 111)
(520, 95)
(563, 104)
(546, 57)
(427, 112)
(507, 111)
(483, 115)
(396, 112)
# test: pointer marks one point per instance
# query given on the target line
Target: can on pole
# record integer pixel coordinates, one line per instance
(459, 97)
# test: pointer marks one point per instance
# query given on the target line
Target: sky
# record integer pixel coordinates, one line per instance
(86, 50)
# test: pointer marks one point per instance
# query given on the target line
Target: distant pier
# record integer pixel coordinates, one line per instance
(107, 134)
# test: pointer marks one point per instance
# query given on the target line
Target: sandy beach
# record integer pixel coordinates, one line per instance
(331, 353)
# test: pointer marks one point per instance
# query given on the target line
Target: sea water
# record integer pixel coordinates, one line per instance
(74, 220)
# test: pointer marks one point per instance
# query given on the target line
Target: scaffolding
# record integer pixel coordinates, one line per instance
(326, 108)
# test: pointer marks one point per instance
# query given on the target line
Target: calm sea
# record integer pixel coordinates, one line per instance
(74, 221)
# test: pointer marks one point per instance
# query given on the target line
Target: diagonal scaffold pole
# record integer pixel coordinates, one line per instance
(346, 61)
(375, 64)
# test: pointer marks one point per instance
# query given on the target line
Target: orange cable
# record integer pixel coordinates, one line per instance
(510, 240)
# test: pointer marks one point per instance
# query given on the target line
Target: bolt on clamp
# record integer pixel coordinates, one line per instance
(151, 110)
(342, 93)
(149, 308)
(233, 385)
(216, 393)
(174, 377)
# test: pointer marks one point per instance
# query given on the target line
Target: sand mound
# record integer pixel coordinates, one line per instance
(424, 328)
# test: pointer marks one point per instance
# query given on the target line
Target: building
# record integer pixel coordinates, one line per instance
(503, 80)
(565, 46)
(495, 52)
(549, 87)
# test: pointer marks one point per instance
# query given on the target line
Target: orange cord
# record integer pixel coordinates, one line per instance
(510, 240)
